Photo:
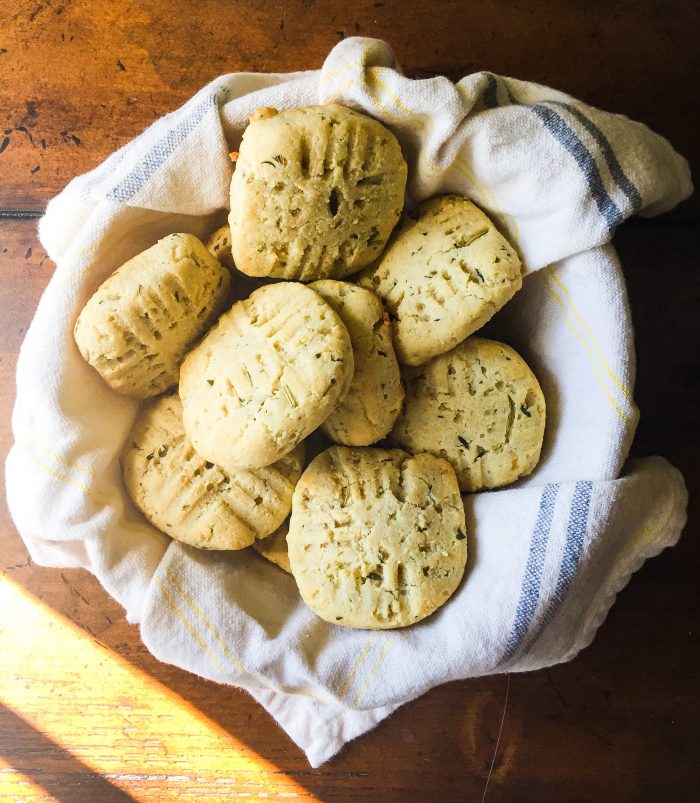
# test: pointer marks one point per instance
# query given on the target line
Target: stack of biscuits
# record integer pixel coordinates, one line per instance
(357, 351)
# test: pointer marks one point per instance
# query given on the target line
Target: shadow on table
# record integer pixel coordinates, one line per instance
(47, 765)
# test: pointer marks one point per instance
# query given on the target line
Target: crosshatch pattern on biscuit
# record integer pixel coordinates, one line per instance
(315, 194)
(267, 375)
(137, 327)
(369, 409)
(478, 406)
(194, 500)
(377, 537)
(446, 271)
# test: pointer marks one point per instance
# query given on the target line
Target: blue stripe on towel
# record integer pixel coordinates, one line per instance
(566, 136)
(105, 171)
(125, 190)
(575, 534)
(530, 591)
(614, 166)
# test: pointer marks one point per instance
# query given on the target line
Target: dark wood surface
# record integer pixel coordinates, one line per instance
(86, 714)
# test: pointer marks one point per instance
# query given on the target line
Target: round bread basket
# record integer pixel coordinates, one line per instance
(546, 556)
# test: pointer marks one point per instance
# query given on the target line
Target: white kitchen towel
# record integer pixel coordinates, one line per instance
(546, 556)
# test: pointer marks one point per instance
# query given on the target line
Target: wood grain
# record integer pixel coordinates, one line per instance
(619, 722)
(80, 78)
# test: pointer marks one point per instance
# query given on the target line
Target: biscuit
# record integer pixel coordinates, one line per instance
(195, 501)
(315, 193)
(444, 273)
(268, 373)
(137, 327)
(478, 406)
(274, 548)
(377, 538)
(371, 406)
(219, 246)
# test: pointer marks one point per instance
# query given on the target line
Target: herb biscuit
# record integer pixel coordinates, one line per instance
(371, 406)
(274, 548)
(268, 373)
(140, 322)
(219, 246)
(315, 193)
(377, 538)
(195, 501)
(443, 275)
(480, 407)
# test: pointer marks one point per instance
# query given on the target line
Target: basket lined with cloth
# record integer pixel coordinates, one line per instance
(546, 556)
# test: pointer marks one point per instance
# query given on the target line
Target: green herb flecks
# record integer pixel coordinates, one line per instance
(373, 238)
(463, 441)
(511, 418)
(460, 535)
(476, 236)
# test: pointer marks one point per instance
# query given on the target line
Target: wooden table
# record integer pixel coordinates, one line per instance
(88, 714)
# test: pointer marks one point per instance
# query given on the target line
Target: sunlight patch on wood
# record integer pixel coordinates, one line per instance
(113, 717)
